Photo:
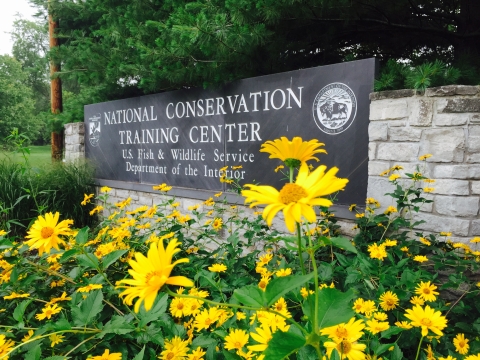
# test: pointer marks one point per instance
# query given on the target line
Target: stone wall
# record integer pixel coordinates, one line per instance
(444, 122)
(74, 141)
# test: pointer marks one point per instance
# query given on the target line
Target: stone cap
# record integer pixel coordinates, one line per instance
(446, 90)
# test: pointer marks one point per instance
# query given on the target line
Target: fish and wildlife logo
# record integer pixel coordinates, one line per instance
(334, 108)
(94, 129)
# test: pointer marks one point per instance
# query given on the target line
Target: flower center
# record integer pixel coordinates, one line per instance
(155, 278)
(291, 193)
(341, 332)
(262, 284)
(426, 291)
(170, 355)
(279, 307)
(179, 306)
(461, 344)
(238, 345)
(46, 232)
(426, 322)
(208, 321)
(344, 347)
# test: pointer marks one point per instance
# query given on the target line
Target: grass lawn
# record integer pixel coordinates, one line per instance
(39, 155)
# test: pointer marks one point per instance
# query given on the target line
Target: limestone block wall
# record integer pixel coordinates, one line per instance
(444, 122)
(74, 141)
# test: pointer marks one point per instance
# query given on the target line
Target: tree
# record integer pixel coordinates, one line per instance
(143, 46)
(16, 104)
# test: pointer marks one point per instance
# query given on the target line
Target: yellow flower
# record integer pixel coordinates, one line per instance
(217, 223)
(96, 209)
(5, 347)
(265, 259)
(375, 326)
(389, 242)
(218, 194)
(425, 241)
(175, 349)
(279, 167)
(296, 199)
(469, 357)
(206, 318)
(390, 210)
(56, 339)
(193, 207)
(89, 287)
(86, 199)
(28, 335)
(263, 335)
(264, 282)
(45, 231)
(415, 300)
(368, 307)
(283, 272)
(428, 189)
(217, 268)
(107, 356)
(297, 149)
(197, 354)
(15, 295)
(48, 311)
(123, 203)
(358, 305)
(237, 167)
(426, 291)
(427, 318)
(420, 258)
(351, 331)
(461, 344)
(476, 239)
(64, 297)
(388, 301)
(347, 349)
(393, 177)
(281, 307)
(361, 215)
(151, 273)
(425, 157)
(449, 357)
(377, 251)
(444, 233)
(404, 249)
(236, 339)
(241, 315)
(105, 189)
(352, 207)
(180, 307)
(304, 292)
(404, 325)
(2, 232)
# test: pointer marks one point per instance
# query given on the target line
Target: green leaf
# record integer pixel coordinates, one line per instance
(139, 356)
(230, 356)
(62, 324)
(67, 255)
(382, 348)
(343, 243)
(150, 334)
(397, 354)
(203, 341)
(88, 260)
(334, 307)
(82, 236)
(278, 287)
(20, 310)
(14, 275)
(393, 330)
(118, 325)
(57, 357)
(307, 353)
(283, 344)
(88, 309)
(109, 259)
(250, 295)
(35, 352)
(159, 307)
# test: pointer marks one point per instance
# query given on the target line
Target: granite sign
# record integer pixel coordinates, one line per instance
(184, 137)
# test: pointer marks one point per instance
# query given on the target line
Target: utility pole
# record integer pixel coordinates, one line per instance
(55, 89)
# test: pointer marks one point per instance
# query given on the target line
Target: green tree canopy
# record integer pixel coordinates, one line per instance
(16, 100)
(142, 46)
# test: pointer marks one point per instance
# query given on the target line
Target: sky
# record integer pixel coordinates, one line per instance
(8, 9)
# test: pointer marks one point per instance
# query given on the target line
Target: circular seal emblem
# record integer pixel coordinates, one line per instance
(94, 129)
(334, 108)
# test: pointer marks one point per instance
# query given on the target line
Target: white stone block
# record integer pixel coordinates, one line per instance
(451, 119)
(450, 187)
(457, 205)
(397, 123)
(397, 151)
(375, 168)
(476, 187)
(457, 171)
(421, 112)
(377, 131)
(388, 109)
(472, 158)
(145, 199)
(346, 227)
(475, 228)
(404, 134)
(372, 149)
(186, 203)
(473, 139)
(377, 188)
(133, 195)
(437, 223)
(446, 145)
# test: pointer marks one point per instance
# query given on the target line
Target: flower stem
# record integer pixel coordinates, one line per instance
(419, 345)
(299, 244)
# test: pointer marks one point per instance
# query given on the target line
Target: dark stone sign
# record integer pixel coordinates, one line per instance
(184, 138)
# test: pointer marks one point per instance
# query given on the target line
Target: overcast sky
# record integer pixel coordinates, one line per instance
(8, 9)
